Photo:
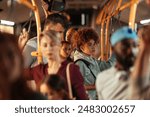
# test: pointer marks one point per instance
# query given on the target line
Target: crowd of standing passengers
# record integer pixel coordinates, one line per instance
(72, 67)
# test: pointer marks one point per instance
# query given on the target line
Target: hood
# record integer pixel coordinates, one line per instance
(79, 55)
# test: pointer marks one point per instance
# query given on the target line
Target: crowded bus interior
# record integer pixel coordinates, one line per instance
(75, 49)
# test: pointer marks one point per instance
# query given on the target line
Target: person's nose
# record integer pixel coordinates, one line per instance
(49, 48)
(129, 50)
(93, 47)
(67, 51)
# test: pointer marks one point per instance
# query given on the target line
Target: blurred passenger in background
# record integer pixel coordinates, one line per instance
(54, 22)
(112, 84)
(70, 37)
(12, 79)
(53, 87)
(140, 77)
(66, 50)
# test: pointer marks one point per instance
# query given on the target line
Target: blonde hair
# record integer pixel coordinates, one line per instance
(53, 35)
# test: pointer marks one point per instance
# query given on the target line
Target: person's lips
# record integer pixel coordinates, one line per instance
(49, 54)
(93, 51)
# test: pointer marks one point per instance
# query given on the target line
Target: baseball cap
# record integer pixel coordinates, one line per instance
(123, 33)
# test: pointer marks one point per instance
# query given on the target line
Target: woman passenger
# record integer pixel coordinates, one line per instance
(87, 38)
(50, 47)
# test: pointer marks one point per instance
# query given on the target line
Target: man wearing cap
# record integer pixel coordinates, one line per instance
(113, 83)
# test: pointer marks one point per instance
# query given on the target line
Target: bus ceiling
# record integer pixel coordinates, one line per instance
(12, 11)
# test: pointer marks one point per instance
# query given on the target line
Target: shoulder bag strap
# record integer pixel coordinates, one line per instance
(69, 81)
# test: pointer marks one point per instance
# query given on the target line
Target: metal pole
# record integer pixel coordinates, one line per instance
(107, 38)
(102, 41)
(38, 25)
(133, 14)
(34, 7)
(26, 3)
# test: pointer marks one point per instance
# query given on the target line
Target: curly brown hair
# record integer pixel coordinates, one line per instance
(70, 33)
(84, 35)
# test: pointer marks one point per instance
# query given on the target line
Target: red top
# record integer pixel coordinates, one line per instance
(39, 72)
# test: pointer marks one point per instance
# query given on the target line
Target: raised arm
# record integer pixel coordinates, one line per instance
(103, 65)
(23, 38)
(140, 73)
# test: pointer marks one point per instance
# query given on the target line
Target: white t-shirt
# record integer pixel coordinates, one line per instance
(112, 85)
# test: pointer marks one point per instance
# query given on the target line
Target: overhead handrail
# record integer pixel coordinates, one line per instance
(104, 19)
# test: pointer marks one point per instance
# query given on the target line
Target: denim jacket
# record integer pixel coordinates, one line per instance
(91, 71)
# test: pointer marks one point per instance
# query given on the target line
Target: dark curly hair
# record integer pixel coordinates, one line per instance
(84, 35)
(56, 83)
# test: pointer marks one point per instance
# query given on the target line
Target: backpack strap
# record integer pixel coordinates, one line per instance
(87, 64)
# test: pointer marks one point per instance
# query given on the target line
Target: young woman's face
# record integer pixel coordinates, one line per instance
(50, 93)
(65, 50)
(10, 62)
(49, 48)
(97, 51)
(89, 47)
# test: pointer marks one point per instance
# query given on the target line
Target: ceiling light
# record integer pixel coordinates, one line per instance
(10, 23)
(145, 21)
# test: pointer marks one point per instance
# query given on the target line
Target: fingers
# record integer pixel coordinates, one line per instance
(24, 30)
(23, 38)
(24, 35)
